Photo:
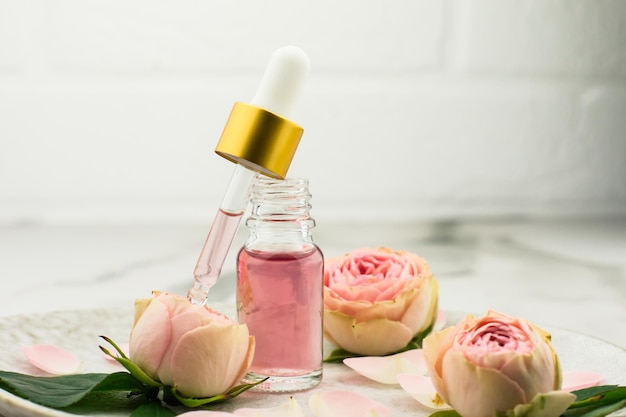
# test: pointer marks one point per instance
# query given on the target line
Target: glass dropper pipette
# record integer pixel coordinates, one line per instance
(259, 138)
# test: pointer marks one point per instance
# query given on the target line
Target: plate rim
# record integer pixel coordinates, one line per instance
(10, 402)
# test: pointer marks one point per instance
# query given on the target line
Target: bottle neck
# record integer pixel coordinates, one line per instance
(280, 213)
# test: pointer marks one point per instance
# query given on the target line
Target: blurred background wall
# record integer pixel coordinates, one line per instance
(110, 110)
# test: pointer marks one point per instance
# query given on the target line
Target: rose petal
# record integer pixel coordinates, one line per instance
(180, 324)
(150, 337)
(123, 346)
(574, 380)
(345, 404)
(140, 307)
(385, 368)
(544, 376)
(466, 391)
(372, 338)
(205, 413)
(52, 359)
(422, 308)
(222, 356)
(422, 389)
(288, 409)
(434, 344)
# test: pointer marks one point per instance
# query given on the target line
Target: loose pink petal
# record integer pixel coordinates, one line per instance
(385, 368)
(573, 380)
(440, 321)
(422, 389)
(123, 346)
(52, 359)
(345, 404)
(288, 409)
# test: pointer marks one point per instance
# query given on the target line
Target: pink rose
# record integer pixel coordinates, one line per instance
(492, 364)
(195, 349)
(377, 300)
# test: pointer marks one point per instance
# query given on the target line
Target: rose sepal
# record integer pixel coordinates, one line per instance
(123, 360)
(549, 404)
(171, 392)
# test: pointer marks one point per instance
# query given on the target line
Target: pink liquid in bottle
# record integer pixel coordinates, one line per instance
(280, 298)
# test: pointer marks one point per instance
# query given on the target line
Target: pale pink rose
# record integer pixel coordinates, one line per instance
(195, 349)
(488, 365)
(377, 300)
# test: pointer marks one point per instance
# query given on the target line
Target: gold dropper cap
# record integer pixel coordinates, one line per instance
(259, 140)
(259, 135)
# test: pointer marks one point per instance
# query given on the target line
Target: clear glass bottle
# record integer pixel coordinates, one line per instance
(280, 274)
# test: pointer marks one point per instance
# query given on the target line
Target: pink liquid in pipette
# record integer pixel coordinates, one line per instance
(280, 298)
(216, 246)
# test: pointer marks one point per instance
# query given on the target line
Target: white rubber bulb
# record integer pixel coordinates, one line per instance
(283, 81)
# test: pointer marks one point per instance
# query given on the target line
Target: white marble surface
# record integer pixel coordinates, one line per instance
(563, 274)
(567, 273)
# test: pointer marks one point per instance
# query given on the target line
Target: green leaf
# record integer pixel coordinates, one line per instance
(605, 410)
(593, 398)
(63, 391)
(603, 394)
(121, 381)
(107, 403)
(152, 409)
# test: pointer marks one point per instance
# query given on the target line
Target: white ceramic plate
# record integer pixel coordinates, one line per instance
(78, 332)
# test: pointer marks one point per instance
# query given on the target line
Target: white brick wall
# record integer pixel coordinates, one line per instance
(110, 110)
(545, 38)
